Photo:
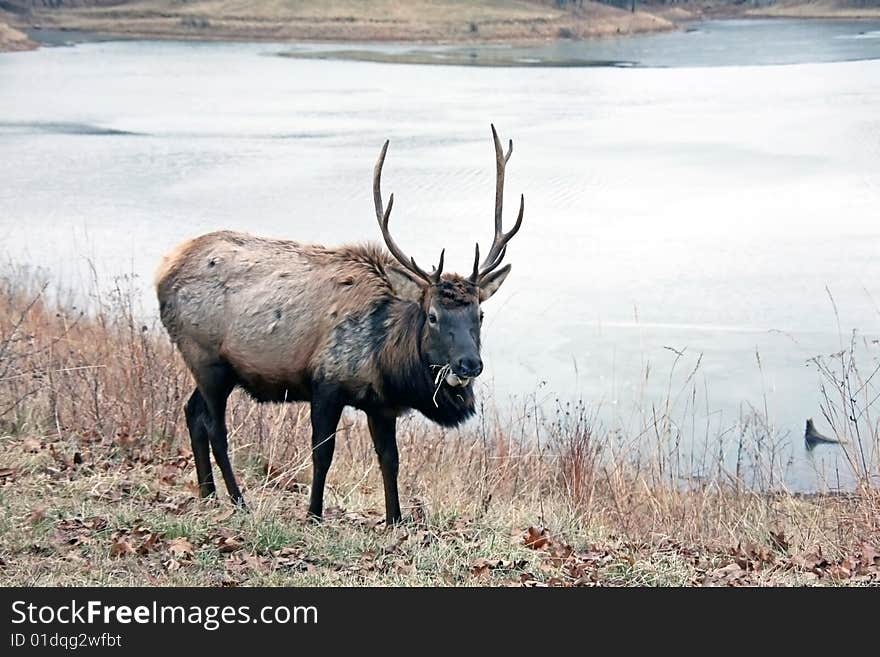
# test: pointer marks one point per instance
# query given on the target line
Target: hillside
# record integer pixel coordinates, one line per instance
(688, 10)
(98, 485)
(345, 20)
(424, 21)
(819, 9)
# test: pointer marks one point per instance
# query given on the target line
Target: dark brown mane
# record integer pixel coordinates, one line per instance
(408, 381)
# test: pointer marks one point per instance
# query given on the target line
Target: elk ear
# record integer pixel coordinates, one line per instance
(493, 281)
(403, 284)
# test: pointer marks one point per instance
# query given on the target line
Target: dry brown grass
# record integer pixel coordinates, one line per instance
(816, 9)
(12, 40)
(713, 9)
(97, 483)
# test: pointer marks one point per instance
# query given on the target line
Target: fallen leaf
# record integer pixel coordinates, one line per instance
(95, 522)
(181, 547)
(536, 537)
(560, 552)
(168, 474)
(751, 556)
(763, 554)
(241, 564)
(528, 580)
(289, 557)
(839, 571)
(149, 544)
(69, 524)
(482, 566)
(812, 560)
(229, 544)
(333, 512)
(728, 571)
(225, 514)
(120, 548)
(403, 568)
(419, 512)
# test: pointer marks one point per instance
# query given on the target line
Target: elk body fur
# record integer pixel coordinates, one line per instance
(285, 316)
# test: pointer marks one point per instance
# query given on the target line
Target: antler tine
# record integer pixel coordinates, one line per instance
(499, 243)
(500, 164)
(384, 216)
(475, 276)
(435, 275)
(493, 265)
(377, 181)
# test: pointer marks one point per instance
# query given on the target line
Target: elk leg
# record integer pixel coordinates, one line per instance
(326, 411)
(215, 386)
(382, 429)
(197, 422)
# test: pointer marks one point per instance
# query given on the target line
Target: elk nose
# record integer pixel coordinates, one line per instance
(469, 367)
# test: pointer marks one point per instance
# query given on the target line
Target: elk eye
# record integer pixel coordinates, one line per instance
(481, 317)
(432, 318)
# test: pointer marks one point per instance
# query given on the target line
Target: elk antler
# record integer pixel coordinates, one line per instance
(499, 243)
(383, 217)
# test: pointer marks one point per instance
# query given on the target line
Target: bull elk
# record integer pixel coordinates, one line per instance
(345, 326)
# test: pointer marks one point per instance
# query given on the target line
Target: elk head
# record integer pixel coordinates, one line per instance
(450, 303)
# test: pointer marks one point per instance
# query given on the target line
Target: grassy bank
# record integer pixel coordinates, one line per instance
(695, 10)
(817, 9)
(12, 40)
(97, 485)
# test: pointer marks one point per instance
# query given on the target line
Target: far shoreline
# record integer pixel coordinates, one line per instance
(528, 53)
(64, 36)
(36, 36)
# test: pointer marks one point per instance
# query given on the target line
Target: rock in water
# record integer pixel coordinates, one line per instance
(813, 437)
